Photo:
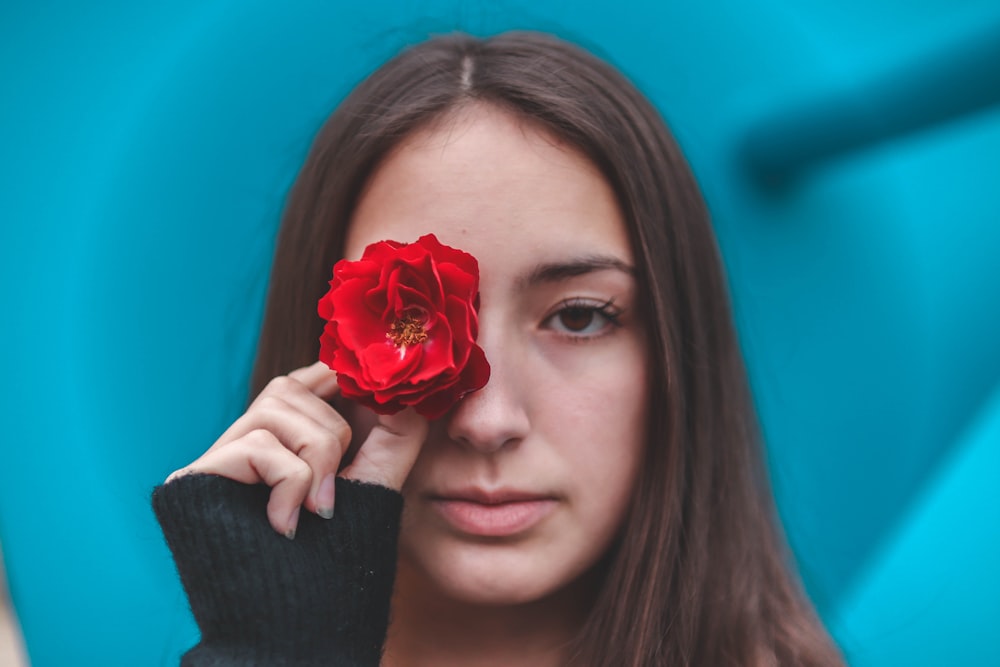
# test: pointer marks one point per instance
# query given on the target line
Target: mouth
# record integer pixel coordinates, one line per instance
(501, 513)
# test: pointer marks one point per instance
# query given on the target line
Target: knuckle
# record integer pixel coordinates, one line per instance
(342, 432)
(271, 404)
(315, 447)
(281, 385)
(320, 447)
(260, 439)
(299, 473)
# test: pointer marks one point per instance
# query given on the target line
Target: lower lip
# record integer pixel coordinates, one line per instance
(500, 520)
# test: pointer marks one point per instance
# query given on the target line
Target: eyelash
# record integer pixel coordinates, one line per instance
(603, 309)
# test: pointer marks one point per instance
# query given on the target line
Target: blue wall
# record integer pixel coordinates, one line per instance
(849, 151)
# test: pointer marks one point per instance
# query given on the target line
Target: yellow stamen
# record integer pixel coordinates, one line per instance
(407, 330)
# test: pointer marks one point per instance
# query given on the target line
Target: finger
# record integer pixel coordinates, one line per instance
(320, 446)
(388, 454)
(260, 457)
(299, 398)
(321, 496)
(318, 378)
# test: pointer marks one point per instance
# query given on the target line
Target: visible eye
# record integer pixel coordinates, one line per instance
(582, 318)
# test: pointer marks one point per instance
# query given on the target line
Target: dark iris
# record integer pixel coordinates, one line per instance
(576, 319)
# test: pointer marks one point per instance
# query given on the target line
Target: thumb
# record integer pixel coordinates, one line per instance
(388, 454)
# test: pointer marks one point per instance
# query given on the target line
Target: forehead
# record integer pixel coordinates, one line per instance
(493, 185)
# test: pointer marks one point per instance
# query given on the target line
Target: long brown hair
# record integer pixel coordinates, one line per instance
(701, 576)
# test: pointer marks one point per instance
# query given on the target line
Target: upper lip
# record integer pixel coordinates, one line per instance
(496, 496)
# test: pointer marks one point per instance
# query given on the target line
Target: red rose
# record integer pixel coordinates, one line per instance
(401, 327)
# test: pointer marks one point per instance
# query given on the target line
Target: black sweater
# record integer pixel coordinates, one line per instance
(261, 599)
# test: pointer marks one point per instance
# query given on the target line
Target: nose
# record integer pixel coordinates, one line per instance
(495, 416)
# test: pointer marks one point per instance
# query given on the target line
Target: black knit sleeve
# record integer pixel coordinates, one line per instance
(261, 599)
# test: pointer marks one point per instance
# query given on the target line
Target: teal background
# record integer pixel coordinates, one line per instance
(849, 151)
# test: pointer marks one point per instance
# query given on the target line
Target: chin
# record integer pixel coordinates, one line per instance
(491, 574)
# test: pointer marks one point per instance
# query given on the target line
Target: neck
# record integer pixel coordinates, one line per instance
(431, 628)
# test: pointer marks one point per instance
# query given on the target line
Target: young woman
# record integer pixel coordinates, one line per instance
(600, 500)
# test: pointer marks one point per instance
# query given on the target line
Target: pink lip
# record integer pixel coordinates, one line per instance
(500, 513)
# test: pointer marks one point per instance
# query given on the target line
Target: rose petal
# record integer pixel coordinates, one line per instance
(355, 321)
(384, 365)
(457, 282)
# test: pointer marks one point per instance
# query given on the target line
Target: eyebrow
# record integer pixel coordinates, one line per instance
(557, 271)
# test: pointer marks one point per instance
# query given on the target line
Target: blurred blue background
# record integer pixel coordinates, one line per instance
(849, 151)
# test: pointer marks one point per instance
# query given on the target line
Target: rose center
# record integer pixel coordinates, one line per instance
(407, 330)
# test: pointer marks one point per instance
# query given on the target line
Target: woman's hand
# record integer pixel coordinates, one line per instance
(293, 440)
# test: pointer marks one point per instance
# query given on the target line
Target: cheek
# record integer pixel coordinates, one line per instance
(601, 394)
(598, 423)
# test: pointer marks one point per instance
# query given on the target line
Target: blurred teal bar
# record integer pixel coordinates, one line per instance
(961, 78)
(926, 598)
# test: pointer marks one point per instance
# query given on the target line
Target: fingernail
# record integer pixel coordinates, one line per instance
(293, 522)
(324, 496)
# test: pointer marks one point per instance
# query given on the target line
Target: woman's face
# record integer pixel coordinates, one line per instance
(521, 488)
